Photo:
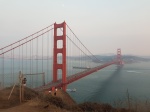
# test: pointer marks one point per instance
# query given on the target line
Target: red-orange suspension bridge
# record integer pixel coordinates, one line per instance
(54, 52)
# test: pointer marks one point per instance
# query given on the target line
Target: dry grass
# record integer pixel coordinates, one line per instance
(62, 102)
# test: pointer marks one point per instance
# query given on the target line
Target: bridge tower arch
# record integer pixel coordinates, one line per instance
(59, 66)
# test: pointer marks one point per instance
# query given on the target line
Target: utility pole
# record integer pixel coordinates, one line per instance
(23, 85)
(22, 82)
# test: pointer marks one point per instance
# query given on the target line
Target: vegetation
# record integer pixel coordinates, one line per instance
(62, 102)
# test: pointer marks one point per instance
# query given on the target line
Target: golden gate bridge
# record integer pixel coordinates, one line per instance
(51, 57)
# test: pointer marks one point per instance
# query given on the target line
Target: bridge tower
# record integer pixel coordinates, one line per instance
(119, 57)
(59, 66)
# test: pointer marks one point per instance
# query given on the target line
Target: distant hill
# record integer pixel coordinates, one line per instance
(126, 58)
(132, 59)
(111, 57)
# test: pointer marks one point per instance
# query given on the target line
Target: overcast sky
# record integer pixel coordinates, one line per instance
(102, 25)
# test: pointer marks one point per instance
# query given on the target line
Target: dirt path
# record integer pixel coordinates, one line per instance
(36, 104)
(30, 106)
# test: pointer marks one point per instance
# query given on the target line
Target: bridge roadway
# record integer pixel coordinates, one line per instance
(74, 77)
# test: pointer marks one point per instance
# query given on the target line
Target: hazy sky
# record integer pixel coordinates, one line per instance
(102, 25)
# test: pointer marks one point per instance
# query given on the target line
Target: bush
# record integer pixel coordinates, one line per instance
(55, 101)
(90, 107)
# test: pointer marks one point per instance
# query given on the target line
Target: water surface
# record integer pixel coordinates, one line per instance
(110, 84)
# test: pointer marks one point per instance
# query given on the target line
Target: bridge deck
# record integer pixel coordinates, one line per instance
(74, 77)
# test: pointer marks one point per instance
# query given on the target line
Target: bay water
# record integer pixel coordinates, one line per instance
(112, 84)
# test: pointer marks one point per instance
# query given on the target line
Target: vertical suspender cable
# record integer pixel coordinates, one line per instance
(3, 71)
(47, 55)
(13, 66)
(70, 54)
(22, 59)
(19, 56)
(72, 50)
(30, 65)
(11, 78)
(26, 57)
(42, 53)
(32, 60)
(52, 53)
(37, 61)
(80, 55)
(67, 56)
